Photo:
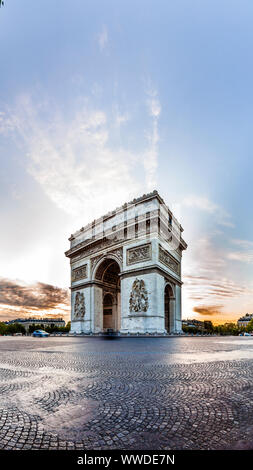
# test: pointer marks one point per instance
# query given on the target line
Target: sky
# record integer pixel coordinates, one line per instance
(103, 101)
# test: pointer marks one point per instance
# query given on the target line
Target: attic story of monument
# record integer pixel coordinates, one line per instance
(126, 270)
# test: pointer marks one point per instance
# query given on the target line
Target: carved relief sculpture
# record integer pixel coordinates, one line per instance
(139, 254)
(79, 273)
(79, 307)
(169, 261)
(88, 250)
(138, 301)
(118, 252)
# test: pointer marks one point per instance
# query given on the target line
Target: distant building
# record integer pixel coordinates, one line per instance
(194, 323)
(45, 322)
(244, 321)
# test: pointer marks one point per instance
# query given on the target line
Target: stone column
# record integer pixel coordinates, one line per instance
(97, 309)
(151, 318)
(172, 315)
(118, 323)
(178, 310)
(82, 325)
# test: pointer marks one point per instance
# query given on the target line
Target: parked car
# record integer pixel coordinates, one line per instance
(41, 333)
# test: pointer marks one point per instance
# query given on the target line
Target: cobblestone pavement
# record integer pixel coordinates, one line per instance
(132, 393)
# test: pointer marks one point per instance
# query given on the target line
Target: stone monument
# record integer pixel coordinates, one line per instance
(126, 270)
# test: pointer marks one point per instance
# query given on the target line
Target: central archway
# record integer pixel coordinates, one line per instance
(108, 274)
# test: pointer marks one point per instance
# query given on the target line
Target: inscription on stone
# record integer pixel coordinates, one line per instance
(79, 273)
(139, 254)
(168, 260)
(138, 301)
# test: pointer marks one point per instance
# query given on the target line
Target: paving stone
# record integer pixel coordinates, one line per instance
(83, 393)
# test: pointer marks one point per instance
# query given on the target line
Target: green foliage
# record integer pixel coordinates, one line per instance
(1, 3)
(190, 329)
(58, 329)
(34, 327)
(3, 328)
(227, 329)
(15, 328)
(208, 326)
(50, 328)
(249, 327)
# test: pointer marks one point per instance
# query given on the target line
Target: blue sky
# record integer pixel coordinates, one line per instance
(101, 101)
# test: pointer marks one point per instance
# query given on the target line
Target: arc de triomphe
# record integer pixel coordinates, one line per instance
(126, 270)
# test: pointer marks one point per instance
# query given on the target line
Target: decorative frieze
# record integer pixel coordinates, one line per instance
(94, 261)
(179, 251)
(77, 258)
(118, 252)
(79, 306)
(79, 273)
(166, 258)
(138, 301)
(139, 254)
(88, 246)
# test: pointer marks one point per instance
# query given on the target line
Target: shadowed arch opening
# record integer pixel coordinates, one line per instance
(108, 275)
(168, 296)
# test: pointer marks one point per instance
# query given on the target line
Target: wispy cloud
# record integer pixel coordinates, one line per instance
(242, 243)
(151, 155)
(6, 123)
(242, 256)
(73, 160)
(102, 38)
(208, 310)
(204, 288)
(21, 299)
(209, 286)
(245, 252)
(37, 295)
(120, 117)
(202, 203)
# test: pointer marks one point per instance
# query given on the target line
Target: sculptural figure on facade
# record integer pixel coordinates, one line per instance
(79, 307)
(138, 301)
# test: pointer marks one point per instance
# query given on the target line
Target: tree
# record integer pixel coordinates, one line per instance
(15, 328)
(249, 327)
(208, 326)
(3, 328)
(1, 3)
(58, 329)
(32, 328)
(227, 329)
(190, 329)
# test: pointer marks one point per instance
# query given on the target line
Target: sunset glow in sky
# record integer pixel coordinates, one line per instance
(103, 101)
